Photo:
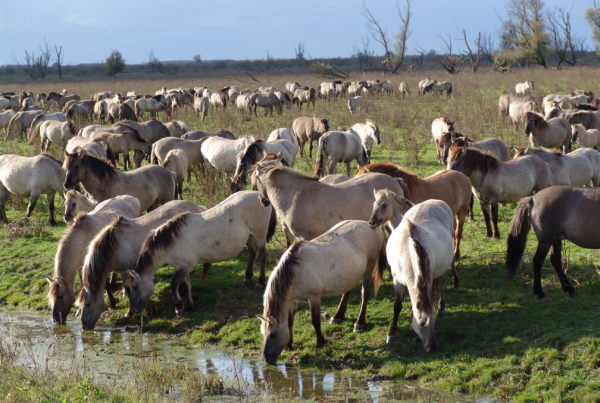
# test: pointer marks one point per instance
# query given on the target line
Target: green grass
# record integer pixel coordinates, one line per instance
(497, 339)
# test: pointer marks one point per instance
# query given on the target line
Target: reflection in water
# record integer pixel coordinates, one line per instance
(108, 354)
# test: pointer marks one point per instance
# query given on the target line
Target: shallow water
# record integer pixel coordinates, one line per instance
(108, 354)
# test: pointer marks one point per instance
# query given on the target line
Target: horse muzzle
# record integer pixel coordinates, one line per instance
(264, 201)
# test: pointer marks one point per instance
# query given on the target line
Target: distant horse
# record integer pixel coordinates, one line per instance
(327, 266)
(419, 252)
(307, 208)
(369, 134)
(115, 249)
(72, 247)
(451, 139)
(403, 89)
(518, 109)
(439, 127)
(439, 87)
(214, 235)
(34, 127)
(494, 181)
(30, 177)
(555, 132)
(450, 186)
(152, 185)
(524, 88)
(556, 213)
(337, 147)
(255, 152)
(309, 129)
(578, 168)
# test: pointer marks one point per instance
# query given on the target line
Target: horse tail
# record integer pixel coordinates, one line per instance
(378, 272)
(320, 165)
(421, 264)
(272, 225)
(517, 236)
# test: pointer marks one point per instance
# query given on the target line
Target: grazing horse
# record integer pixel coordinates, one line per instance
(556, 213)
(337, 147)
(222, 153)
(449, 140)
(152, 185)
(114, 249)
(450, 186)
(524, 88)
(369, 134)
(123, 143)
(494, 181)
(30, 176)
(72, 247)
(577, 168)
(309, 129)
(257, 151)
(199, 134)
(214, 235)
(555, 132)
(404, 89)
(327, 266)
(419, 252)
(307, 208)
(438, 87)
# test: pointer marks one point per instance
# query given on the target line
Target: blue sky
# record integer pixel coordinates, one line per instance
(177, 30)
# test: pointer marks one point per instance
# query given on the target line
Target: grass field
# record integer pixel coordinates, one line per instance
(497, 339)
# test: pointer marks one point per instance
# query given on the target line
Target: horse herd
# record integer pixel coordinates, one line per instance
(340, 230)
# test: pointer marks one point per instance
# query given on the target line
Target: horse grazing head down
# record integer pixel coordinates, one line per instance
(60, 298)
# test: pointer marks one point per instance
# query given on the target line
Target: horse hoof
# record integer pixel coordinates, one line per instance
(359, 327)
(540, 294)
(389, 339)
(335, 320)
(570, 290)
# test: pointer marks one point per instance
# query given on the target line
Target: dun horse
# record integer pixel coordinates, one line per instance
(555, 133)
(337, 147)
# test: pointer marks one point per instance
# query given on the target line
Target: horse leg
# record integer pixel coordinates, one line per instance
(341, 310)
(51, 219)
(348, 168)
(4, 194)
(186, 289)
(178, 278)
(291, 317)
(459, 220)
(438, 287)
(112, 301)
(138, 157)
(263, 263)
(315, 313)
(485, 209)
(471, 215)
(538, 262)
(365, 294)
(289, 238)
(399, 292)
(251, 259)
(310, 149)
(33, 197)
(495, 219)
(556, 260)
(454, 276)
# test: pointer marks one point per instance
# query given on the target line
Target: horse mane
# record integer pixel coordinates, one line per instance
(538, 120)
(409, 178)
(281, 279)
(51, 158)
(424, 276)
(475, 159)
(99, 166)
(101, 256)
(160, 238)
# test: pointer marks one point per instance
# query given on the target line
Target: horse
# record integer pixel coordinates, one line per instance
(307, 208)
(309, 129)
(114, 249)
(327, 266)
(439, 87)
(201, 106)
(255, 152)
(424, 83)
(555, 132)
(34, 127)
(577, 168)
(177, 128)
(60, 99)
(20, 122)
(30, 176)
(494, 181)
(199, 134)
(152, 185)
(267, 102)
(452, 139)
(355, 104)
(72, 247)
(589, 119)
(123, 143)
(369, 134)
(524, 88)
(450, 186)
(304, 96)
(282, 134)
(56, 132)
(177, 162)
(94, 147)
(589, 138)
(76, 203)
(403, 89)
(556, 213)
(439, 127)
(214, 235)
(518, 108)
(419, 252)
(337, 147)
(222, 153)
(5, 118)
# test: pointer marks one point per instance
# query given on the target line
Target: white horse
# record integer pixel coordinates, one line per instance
(420, 251)
(439, 126)
(282, 134)
(222, 153)
(524, 88)
(518, 109)
(589, 138)
(327, 266)
(201, 106)
(30, 176)
(337, 147)
(56, 132)
(369, 134)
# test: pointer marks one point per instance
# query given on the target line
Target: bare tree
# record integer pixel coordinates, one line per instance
(487, 47)
(474, 57)
(449, 61)
(392, 61)
(155, 65)
(299, 50)
(58, 58)
(364, 54)
(562, 43)
(37, 65)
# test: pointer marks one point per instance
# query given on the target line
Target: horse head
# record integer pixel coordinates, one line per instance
(276, 336)
(91, 306)
(60, 299)
(140, 289)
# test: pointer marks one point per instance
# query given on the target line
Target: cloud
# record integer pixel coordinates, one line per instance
(77, 20)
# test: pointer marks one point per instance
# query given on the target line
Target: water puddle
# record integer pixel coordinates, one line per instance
(108, 354)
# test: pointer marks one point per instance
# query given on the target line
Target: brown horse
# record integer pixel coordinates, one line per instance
(453, 187)
(556, 213)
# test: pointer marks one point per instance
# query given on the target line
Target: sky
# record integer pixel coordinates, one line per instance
(178, 29)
